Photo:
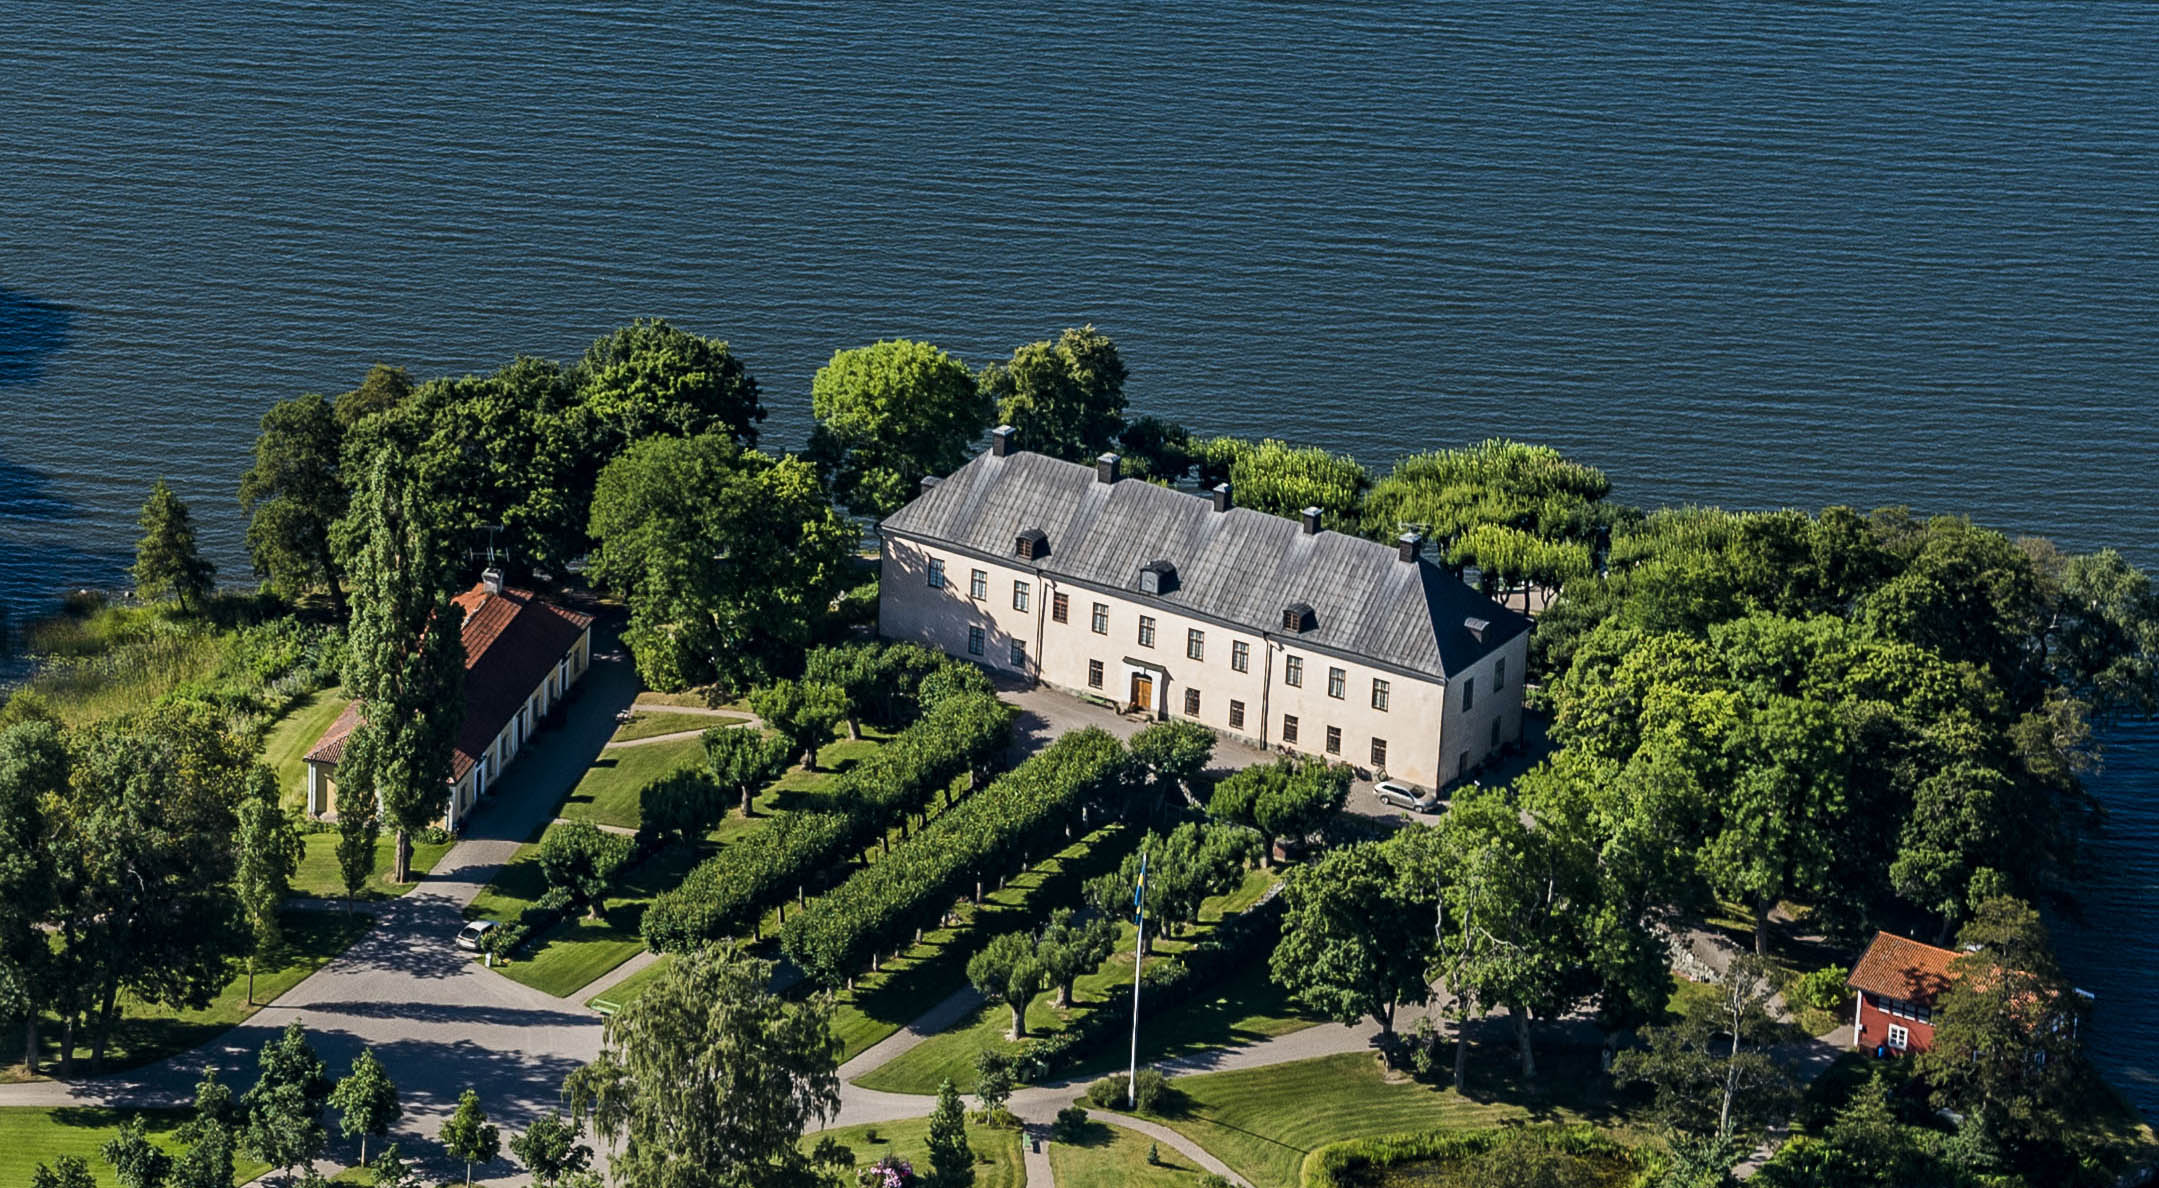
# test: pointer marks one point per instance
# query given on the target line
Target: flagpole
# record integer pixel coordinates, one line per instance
(1139, 950)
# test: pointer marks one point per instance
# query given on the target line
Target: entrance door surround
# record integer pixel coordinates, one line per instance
(1143, 691)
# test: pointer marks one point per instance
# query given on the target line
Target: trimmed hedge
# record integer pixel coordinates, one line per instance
(728, 893)
(1334, 1165)
(879, 907)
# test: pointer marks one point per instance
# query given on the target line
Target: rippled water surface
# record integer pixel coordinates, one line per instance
(1754, 255)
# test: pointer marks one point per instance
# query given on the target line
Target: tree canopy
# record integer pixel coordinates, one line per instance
(294, 494)
(167, 559)
(887, 415)
(1066, 398)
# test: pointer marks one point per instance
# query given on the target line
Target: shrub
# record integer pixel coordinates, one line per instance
(1071, 1124)
(1822, 990)
(1149, 1090)
(1107, 1093)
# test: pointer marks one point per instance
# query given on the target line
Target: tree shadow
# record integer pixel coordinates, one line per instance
(31, 331)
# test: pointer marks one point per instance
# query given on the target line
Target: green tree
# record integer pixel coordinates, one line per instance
(550, 1151)
(1353, 946)
(269, 853)
(34, 769)
(1176, 753)
(1066, 398)
(389, 1170)
(887, 415)
(728, 558)
(708, 1079)
(651, 379)
(1282, 480)
(143, 866)
(167, 560)
(995, 1076)
(1008, 970)
(581, 860)
(283, 1109)
(857, 671)
(803, 712)
(383, 388)
(1185, 867)
(405, 658)
(952, 1163)
(136, 1161)
(1156, 450)
(68, 1171)
(358, 826)
(2006, 1031)
(366, 1101)
(468, 1136)
(2103, 638)
(1289, 798)
(745, 761)
(293, 494)
(1711, 1071)
(1069, 947)
(208, 1133)
(681, 806)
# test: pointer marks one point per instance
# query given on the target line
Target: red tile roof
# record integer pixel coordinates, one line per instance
(511, 641)
(1898, 967)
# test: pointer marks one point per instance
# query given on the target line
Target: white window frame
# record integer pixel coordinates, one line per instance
(1240, 656)
(1195, 644)
(937, 573)
(978, 583)
(1022, 594)
(1900, 1036)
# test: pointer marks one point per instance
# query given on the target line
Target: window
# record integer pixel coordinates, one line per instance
(1289, 728)
(1060, 607)
(1380, 691)
(1240, 656)
(1900, 1038)
(1101, 618)
(974, 641)
(1191, 703)
(937, 573)
(1195, 644)
(1334, 740)
(1379, 753)
(1469, 692)
(1146, 631)
(978, 584)
(1019, 654)
(1293, 671)
(1094, 674)
(1019, 596)
(1236, 715)
(1499, 674)
(1336, 681)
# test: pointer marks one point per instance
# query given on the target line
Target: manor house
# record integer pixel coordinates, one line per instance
(1278, 632)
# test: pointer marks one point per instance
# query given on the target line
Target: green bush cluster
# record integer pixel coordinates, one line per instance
(1347, 1164)
(879, 907)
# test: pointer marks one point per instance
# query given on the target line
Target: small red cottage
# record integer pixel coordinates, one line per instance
(1895, 985)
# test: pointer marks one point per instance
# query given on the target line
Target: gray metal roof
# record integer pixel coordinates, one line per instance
(1240, 566)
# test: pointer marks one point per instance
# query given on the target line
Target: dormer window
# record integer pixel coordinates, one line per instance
(1297, 616)
(1157, 577)
(1476, 628)
(1031, 545)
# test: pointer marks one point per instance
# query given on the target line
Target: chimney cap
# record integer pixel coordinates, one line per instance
(1001, 440)
(1311, 521)
(1221, 497)
(1408, 544)
(1105, 468)
(929, 481)
(491, 580)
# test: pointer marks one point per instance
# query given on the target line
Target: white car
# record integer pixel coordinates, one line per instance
(1404, 796)
(469, 937)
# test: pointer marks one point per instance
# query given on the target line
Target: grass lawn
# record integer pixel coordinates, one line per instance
(30, 1135)
(607, 795)
(146, 1032)
(997, 1152)
(319, 875)
(1263, 1121)
(575, 952)
(293, 735)
(632, 986)
(690, 697)
(1244, 1008)
(1111, 1157)
(883, 1002)
(646, 723)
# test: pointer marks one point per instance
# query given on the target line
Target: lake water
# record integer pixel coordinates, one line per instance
(1754, 255)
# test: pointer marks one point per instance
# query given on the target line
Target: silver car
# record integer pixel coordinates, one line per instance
(471, 935)
(1404, 796)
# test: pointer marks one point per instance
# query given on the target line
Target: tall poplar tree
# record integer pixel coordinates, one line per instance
(269, 853)
(167, 560)
(33, 769)
(406, 657)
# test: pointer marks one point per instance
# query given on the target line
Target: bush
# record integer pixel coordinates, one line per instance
(1149, 1090)
(1107, 1093)
(1071, 1125)
(1822, 990)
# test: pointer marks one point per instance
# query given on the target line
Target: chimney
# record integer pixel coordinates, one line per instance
(1221, 497)
(929, 481)
(1311, 521)
(1409, 543)
(1105, 468)
(1001, 440)
(491, 580)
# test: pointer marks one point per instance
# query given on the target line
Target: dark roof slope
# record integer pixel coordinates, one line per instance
(511, 641)
(1239, 566)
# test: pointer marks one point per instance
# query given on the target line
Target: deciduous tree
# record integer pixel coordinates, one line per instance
(358, 827)
(550, 1151)
(283, 1109)
(1066, 398)
(167, 560)
(1184, 868)
(1069, 946)
(34, 768)
(887, 415)
(366, 1101)
(1352, 947)
(293, 494)
(468, 1136)
(708, 1079)
(1176, 754)
(744, 761)
(1711, 1071)
(136, 1161)
(803, 712)
(1008, 970)
(581, 860)
(269, 853)
(1282, 480)
(652, 379)
(1288, 798)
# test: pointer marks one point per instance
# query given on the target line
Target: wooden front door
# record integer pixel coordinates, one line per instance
(1143, 692)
